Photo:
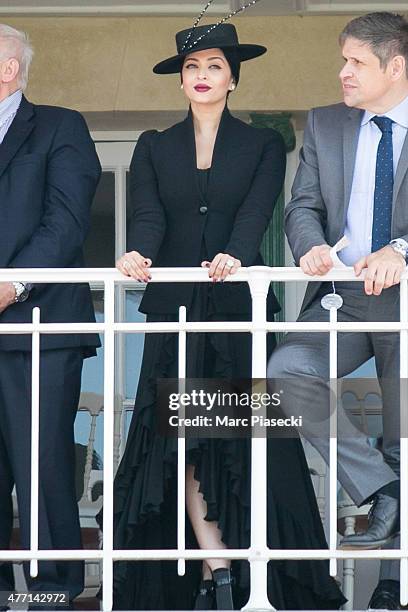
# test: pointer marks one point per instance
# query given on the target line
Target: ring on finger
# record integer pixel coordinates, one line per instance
(126, 265)
(229, 263)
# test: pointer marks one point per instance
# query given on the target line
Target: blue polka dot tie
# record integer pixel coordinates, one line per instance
(384, 184)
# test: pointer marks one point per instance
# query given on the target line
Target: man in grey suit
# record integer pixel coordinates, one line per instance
(352, 180)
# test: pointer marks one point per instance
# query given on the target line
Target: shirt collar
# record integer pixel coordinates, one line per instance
(10, 105)
(399, 114)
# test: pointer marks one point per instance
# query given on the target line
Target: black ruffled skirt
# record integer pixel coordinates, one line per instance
(146, 487)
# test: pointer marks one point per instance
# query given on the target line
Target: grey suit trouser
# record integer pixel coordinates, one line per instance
(299, 368)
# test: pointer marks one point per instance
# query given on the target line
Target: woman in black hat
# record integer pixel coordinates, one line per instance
(203, 193)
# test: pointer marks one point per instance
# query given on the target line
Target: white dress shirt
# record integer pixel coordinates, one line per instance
(8, 110)
(359, 220)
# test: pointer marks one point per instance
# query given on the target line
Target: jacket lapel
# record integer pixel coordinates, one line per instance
(218, 152)
(401, 169)
(18, 132)
(190, 151)
(221, 146)
(351, 131)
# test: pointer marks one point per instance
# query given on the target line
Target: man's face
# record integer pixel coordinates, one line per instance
(365, 83)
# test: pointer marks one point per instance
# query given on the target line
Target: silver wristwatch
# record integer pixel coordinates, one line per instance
(22, 291)
(400, 246)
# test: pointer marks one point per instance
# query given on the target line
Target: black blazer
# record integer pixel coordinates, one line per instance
(48, 175)
(171, 219)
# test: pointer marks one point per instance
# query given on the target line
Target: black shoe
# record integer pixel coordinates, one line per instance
(223, 593)
(383, 524)
(205, 599)
(386, 596)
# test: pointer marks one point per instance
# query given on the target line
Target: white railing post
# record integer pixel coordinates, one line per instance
(35, 439)
(258, 599)
(108, 433)
(333, 444)
(404, 440)
(181, 447)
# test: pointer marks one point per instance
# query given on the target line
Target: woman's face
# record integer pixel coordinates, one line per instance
(206, 76)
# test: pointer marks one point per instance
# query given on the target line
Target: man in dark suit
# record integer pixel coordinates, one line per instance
(352, 180)
(48, 175)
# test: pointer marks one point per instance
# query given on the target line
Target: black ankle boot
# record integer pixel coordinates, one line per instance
(223, 593)
(205, 596)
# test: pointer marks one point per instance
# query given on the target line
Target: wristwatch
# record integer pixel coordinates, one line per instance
(400, 246)
(22, 291)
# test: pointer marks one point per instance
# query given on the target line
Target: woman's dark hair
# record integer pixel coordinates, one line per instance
(231, 55)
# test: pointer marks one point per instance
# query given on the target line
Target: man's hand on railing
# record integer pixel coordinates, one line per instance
(136, 266)
(384, 269)
(221, 266)
(7, 295)
(317, 261)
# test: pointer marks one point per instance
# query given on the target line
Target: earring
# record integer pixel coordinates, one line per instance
(232, 87)
(182, 86)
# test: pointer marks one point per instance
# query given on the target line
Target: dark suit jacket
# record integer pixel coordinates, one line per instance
(48, 175)
(317, 212)
(171, 219)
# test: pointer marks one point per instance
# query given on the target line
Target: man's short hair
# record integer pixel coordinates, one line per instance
(386, 34)
(15, 43)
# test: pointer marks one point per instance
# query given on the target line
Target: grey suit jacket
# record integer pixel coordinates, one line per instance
(321, 191)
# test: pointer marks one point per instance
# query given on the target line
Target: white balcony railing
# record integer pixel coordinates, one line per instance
(258, 554)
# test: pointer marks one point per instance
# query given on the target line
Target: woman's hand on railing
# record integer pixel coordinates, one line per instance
(136, 266)
(221, 266)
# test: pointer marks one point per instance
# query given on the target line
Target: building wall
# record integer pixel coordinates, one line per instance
(104, 63)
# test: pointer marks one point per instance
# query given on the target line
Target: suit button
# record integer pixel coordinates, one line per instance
(203, 210)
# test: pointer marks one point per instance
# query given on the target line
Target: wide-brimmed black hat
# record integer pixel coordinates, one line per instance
(213, 36)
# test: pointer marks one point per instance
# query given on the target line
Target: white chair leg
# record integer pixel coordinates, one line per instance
(349, 567)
